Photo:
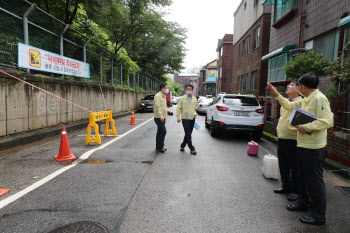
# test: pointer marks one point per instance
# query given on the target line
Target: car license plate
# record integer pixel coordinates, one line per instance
(242, 114)
(149, 106)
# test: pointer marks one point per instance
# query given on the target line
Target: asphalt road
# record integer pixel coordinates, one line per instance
(125, 186)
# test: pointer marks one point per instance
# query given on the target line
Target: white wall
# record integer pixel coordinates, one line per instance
(244, 19)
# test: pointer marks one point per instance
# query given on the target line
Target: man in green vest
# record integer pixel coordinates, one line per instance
(311, 142)
(186, 111)
(160, 110)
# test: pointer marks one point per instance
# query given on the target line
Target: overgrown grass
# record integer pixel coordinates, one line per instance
(270, 137)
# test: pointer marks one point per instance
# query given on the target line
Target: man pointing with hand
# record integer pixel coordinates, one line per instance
(311, 142)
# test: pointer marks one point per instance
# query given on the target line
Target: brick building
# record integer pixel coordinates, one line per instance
(207, 71)
(299, 26)
(250, 43)
(185, 79)
(224, 64)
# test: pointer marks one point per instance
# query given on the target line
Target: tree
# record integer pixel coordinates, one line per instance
(310, 62)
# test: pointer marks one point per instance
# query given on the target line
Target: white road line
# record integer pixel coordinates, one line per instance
(83, 157)
(266, 150)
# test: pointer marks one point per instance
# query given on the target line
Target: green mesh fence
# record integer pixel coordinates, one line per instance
(44, 33)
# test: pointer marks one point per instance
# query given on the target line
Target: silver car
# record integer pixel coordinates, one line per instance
(203, 105)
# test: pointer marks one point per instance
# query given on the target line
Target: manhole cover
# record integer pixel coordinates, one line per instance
(81, 227)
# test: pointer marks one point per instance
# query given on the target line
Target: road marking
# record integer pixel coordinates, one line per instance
(83, 157)
(266, 150)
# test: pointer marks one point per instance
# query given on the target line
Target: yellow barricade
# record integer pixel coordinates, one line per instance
(99, 116)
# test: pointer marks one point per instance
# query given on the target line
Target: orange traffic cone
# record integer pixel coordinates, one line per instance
(4, 191)
(65, 153)
(132, 122)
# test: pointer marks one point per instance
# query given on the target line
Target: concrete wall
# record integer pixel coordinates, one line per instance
(23, 108)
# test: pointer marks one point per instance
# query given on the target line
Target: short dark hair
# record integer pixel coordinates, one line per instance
(294, 81)
(189, 85)
(309, 80)
(162, 85)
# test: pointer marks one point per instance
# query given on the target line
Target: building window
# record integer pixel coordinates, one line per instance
(220, 52)
(245, 5)
(254, 82)
(276, 68)
(209, 87)
(244, 82)
(325, 44)
(256, 41)
(347, 43)
(256, 2)
(246, 46)
(282, 7)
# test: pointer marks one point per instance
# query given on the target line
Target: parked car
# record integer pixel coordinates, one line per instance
(175, 100)
(147, 103)
(203, 105)
(169, 100)
(238, 113)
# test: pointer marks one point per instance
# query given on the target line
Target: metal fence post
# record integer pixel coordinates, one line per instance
(121, 75)
(101, 64)
(84, 49)
(133, 81)
(112, 67)
(25, 26)
(138, 80)
(142, 78)
(61, 38)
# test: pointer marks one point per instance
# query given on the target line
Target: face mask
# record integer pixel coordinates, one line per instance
(188, 92)
(166, 91)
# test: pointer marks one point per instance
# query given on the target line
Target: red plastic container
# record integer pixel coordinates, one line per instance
(253, 148)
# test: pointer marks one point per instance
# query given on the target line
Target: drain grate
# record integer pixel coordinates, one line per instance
(81, 227)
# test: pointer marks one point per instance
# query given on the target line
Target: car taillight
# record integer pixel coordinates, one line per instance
(260, 110)
(261, 125)
(221, 108)
(221, 123)
(201, 106)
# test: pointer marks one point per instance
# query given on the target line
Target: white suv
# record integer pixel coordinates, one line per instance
(239, 113)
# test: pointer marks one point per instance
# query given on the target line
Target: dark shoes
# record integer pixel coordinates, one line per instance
(161, 150)
(193, 152)
(312, 221)
(293, 197)
(281, 190)
(182, 149)
(297, 207)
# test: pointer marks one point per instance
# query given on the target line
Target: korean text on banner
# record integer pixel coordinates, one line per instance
(38, 59)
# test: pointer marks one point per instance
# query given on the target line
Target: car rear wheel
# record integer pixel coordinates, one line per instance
(213, 130)
(207, 125)
(257, 135)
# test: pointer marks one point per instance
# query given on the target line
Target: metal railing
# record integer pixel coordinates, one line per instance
(23, 22)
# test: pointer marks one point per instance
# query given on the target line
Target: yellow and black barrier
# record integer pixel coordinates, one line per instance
(99, 116)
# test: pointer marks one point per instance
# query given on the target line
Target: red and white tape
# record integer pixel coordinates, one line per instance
(44, 90)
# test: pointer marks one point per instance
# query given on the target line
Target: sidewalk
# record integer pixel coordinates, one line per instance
(20, 139)
(335, 173)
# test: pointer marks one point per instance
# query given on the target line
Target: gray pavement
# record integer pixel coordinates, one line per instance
(128, 188)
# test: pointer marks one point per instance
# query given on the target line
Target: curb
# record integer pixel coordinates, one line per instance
(328, 164)
(11, 141)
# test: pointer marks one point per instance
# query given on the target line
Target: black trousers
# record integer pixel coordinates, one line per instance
(312, 187)
(288, 163)
(188, 128)
(161, 132)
